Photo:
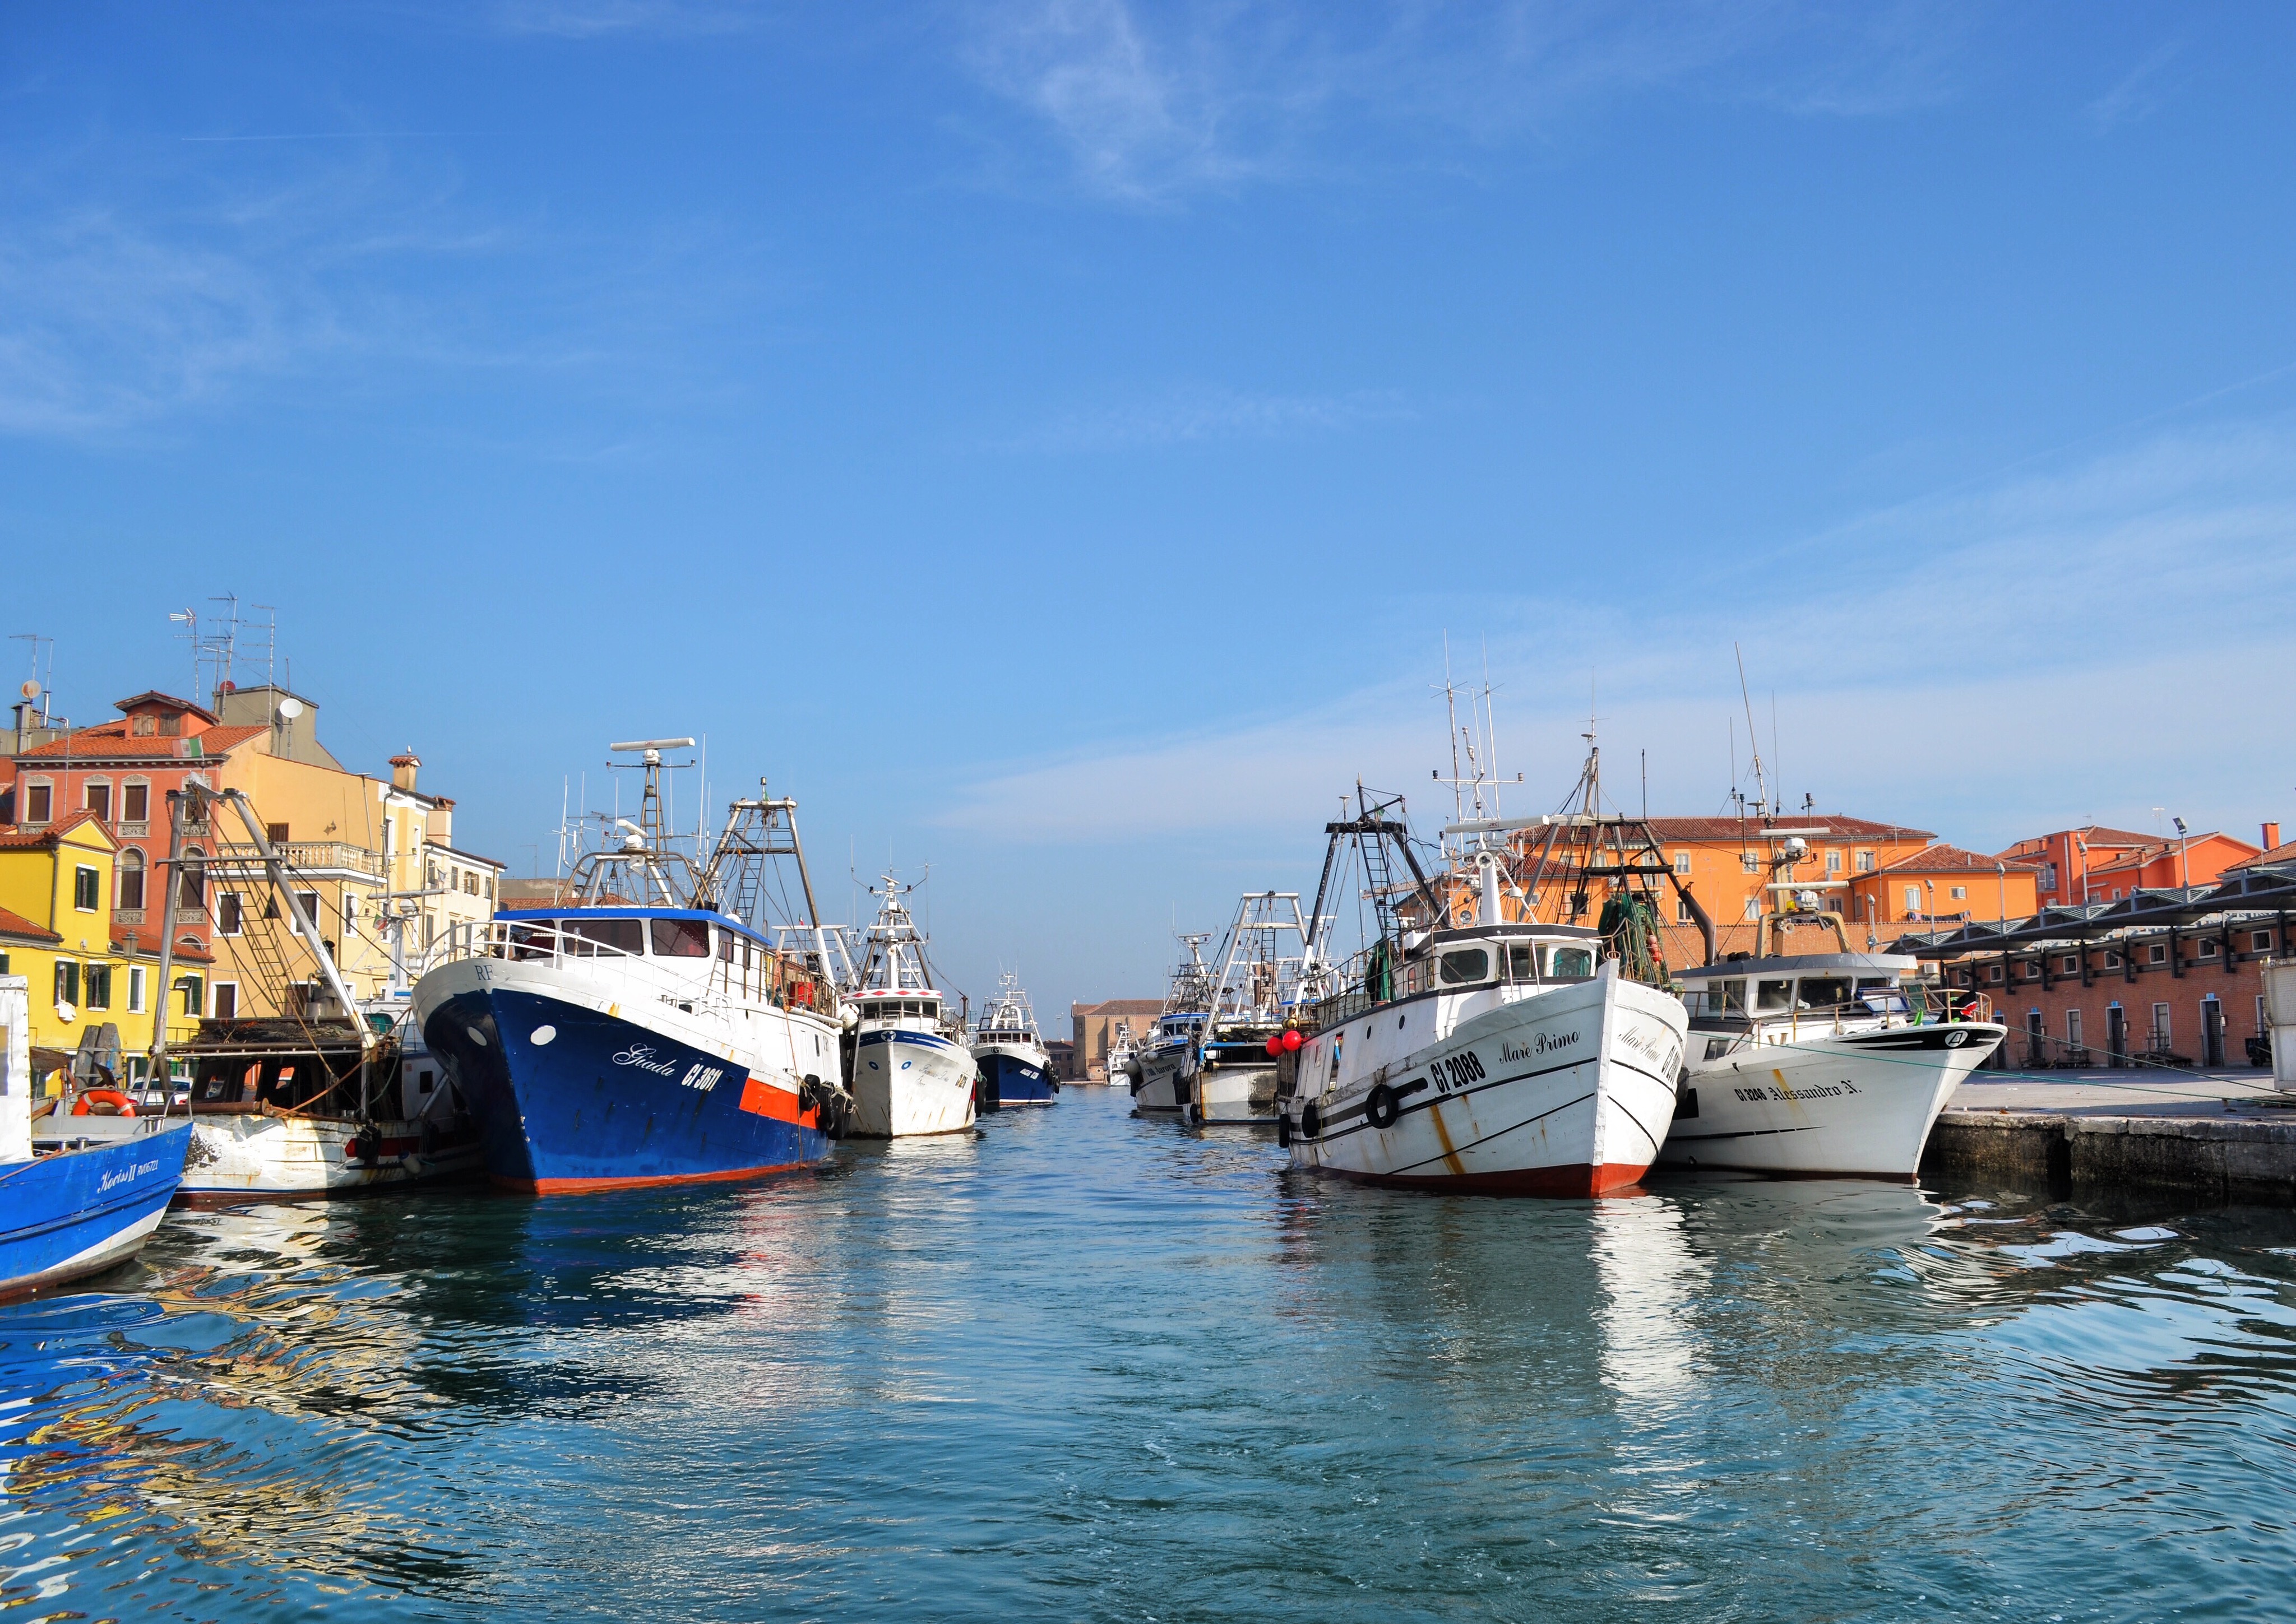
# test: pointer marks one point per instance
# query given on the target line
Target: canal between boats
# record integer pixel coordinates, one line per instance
(1085, 1367)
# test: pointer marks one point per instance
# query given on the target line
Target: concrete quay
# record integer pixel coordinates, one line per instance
(2213, 1137)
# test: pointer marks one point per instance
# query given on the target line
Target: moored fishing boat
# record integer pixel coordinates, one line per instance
(1015, 1069)
(86, 1206)
(1155, 1066)
(611, 1043)
(1228, 1072)
(1120, 1057)
(1820, 1065)
(913, 1071)
(1490, 1057)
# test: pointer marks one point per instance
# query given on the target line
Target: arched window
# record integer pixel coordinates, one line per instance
(131, 878)
(191, 887)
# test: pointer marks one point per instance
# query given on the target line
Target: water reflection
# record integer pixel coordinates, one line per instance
(1084, 1365)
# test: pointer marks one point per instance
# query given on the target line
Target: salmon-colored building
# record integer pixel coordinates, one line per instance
(2096, 864)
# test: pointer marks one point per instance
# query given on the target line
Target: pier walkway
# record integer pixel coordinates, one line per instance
(2216, 1136)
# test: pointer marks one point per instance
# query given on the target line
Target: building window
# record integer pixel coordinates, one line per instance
(1960, 894)
(1912, 900)
(135, 989)
(171, 726)
(2111, 960)
(2156, 952)
(1753, 907)
(131, 879)
(1751, 863)
(192, 886)
(1681, 865)
(2208, 947)
(1833, 862)
(135, 802)
(67, 982)
(1682, 910)
(2259, 941)
(99, 986)
(2031, 969)
(39, 795)
(2073, 1037)
(88, 889)
(226, 1001)
(276, 834)
(97, 797)
(1864, 862)
(2161, 1026)
(230, 919)
(2069, 965)
(143, 726)
(309, 901)
(195, 1000)
(2048, 876)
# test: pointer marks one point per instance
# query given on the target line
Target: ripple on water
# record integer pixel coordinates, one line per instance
(1083, 1366)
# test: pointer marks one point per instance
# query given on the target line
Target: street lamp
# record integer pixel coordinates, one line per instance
(2184, 866)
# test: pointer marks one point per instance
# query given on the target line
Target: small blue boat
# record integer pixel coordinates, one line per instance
(77, 1212)
(1015, 1070)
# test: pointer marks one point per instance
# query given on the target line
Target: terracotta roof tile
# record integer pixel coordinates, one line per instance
(17, 925)
(1953, 860)
(1731, 828)
(48, 834)
(110, 742)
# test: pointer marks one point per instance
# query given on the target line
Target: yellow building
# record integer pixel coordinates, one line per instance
(57, 930)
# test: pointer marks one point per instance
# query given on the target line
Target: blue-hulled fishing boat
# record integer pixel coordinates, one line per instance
(78, 1210)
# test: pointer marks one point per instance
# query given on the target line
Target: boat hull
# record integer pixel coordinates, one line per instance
(1158, 1091)
(1860, 1106)
(1567, 1093)
(572, 1095)
(908, 1083)
(78, 1213)
(1013, 1075)
(1233, 1093)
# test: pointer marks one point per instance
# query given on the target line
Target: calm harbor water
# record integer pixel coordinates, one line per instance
(1082, 1366)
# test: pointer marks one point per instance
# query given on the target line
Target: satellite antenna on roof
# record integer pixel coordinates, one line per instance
(290, 708)
(30, 688)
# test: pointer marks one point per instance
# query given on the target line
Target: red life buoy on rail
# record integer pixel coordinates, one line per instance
(121, 1105)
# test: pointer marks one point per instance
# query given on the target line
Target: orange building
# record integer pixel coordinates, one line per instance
(1942, 883)
(2095, 864)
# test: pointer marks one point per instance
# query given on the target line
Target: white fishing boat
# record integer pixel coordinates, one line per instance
(1155, 1068)
(1015, 1068)
(1820, 1065)
(1493, 1055)
(1228, 1074)
(1121, 1055)
(912, 1067)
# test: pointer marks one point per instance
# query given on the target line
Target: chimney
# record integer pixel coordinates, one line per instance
(2272, 836)
(402, 770)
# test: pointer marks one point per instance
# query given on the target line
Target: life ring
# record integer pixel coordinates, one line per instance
(121, 1105)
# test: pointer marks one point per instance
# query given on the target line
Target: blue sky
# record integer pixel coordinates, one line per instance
(1054, 439)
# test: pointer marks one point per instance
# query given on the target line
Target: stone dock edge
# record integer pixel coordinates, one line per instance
(2224, 1160)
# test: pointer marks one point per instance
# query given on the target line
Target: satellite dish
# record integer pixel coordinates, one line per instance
(29, 688)
(289, 709)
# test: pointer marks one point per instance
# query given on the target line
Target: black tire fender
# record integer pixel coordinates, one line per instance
(1311, 1121)
(1381, 1108)
(1283, 1127)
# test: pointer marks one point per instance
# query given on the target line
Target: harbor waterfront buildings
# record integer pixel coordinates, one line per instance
(374, 862)
(1093, 1029)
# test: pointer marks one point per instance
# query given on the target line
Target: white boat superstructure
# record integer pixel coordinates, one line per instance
(1820, 1065)
(1121, 1055)
(912, 1069)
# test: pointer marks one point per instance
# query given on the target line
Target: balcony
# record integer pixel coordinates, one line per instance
(333, 858)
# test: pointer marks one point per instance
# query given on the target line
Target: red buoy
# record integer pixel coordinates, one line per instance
(1293, 1041)
(1275, 1046)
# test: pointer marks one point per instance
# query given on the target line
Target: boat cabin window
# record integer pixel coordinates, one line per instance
(535, 940)
(1726, 998)
(1464, 967)
(1519, 964)
(1877, 984)
(1824, 991)
(1773, 995)
(680, 939)
(1569, 963)
(586, 937)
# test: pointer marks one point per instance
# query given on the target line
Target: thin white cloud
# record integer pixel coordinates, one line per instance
(1201, 415)
(1147, 104)
(2139, 94)
(2071, 644)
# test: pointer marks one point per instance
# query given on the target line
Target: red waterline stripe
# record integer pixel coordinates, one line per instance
(576, 1186)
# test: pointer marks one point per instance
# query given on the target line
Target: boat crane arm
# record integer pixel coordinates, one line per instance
(304, 924)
